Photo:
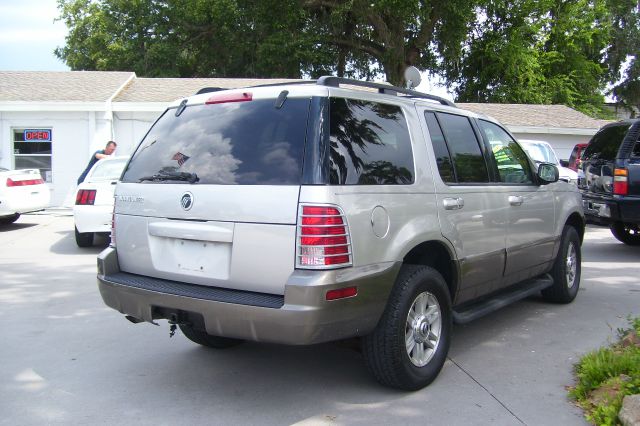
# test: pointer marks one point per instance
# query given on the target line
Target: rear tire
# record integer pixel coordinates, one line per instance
(566, 269)
(7, 220)
(84, 239)
(205, 339)
(627, 233)
(409, 345)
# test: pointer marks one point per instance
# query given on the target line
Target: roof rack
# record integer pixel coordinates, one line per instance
(332, 81)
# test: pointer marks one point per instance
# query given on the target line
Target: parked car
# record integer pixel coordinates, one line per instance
(93, 210)
(541, 152)
(21, 191)
(306, 213)
(576, 157)
(611, 187)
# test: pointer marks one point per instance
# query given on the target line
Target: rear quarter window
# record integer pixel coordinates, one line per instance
(369, 144)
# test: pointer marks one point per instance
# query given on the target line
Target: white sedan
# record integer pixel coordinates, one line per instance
(94, 200)
(21, 191)
(541, 151)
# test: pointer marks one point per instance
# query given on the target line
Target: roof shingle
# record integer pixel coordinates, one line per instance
(60, 86)
(170, 89)
(533, 115)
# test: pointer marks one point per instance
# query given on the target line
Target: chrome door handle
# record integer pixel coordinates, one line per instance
(515, 200)
(453, 203)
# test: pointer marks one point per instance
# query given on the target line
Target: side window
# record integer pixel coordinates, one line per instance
(468, 161)
(443, 158)
(369, 144)
(511, 160)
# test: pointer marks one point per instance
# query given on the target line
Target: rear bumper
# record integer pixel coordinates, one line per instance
(605, 211)
(93, 218)
(301, 316)
(25, 201)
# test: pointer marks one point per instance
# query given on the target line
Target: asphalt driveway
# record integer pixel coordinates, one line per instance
(67, 359)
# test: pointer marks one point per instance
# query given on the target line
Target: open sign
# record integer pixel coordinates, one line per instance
(37, 135)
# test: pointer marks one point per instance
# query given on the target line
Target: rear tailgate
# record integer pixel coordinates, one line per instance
(240, 237)
(24, 191)
(210, 197)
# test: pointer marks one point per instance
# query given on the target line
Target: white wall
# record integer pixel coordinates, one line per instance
(130, 127)
(75, 136)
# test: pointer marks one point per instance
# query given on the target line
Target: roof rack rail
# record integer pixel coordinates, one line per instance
(332, 81)
(286, 83)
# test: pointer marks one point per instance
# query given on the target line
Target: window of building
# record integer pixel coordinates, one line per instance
(32, 150)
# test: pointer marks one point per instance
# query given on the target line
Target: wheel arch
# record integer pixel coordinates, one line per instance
(577, 221)
(438, 256)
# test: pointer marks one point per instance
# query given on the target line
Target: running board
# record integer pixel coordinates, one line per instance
(500, 300)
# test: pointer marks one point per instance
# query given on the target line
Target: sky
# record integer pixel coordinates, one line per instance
(28, 35)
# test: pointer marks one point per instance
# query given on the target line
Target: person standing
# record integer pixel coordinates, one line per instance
(98, 155)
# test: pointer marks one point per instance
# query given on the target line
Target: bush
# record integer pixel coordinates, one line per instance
(606, 375)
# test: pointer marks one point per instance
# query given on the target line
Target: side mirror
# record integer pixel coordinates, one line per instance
(564, 163)
(548, 173)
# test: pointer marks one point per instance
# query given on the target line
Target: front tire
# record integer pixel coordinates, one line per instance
(84, 239)
(627, 233)
(566, 269)
(205, 339)
(409, 345)
(7, 220)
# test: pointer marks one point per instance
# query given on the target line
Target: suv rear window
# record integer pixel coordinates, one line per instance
(369, 144)
(605, 144)
(245, 143)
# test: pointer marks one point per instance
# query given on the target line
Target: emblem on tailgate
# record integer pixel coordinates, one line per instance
(186, 201)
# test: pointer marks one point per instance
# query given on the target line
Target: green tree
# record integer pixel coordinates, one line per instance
(623, 50)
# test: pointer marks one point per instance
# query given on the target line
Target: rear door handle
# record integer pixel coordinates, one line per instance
(453, 203)
(515, 200)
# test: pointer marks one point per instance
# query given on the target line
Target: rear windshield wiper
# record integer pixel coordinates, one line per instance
(165, 176)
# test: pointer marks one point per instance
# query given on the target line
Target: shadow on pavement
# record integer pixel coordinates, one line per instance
(67, 245)
(16, 226)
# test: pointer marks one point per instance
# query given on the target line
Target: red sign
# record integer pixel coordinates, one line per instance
(37, 135)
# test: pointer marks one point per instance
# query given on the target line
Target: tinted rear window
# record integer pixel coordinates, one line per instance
(605, 144)
(244, 143)
(369, 144)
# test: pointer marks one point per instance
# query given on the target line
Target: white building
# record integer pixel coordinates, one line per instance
(55, 121)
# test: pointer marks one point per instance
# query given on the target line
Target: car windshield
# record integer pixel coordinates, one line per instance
(108, 169)
(540, 152)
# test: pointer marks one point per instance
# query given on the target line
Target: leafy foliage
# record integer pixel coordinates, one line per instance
(521, 51)
(616, 370)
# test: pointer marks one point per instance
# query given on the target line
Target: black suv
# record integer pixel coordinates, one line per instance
(611, 187)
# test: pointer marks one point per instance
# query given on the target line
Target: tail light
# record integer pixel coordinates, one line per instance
(323, 238)
(620, 182)
(11, 182)
(223, 98)
(86, 197)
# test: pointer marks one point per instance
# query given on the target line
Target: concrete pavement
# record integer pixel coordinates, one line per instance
(67, 359)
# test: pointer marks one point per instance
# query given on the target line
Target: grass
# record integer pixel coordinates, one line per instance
(606, 375)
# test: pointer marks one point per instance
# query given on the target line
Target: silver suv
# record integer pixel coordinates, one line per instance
(332, 209)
